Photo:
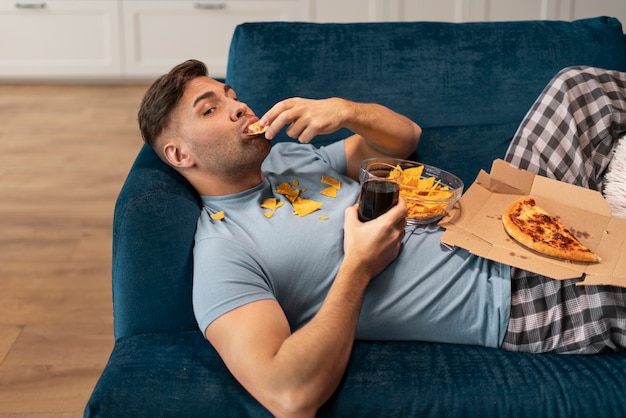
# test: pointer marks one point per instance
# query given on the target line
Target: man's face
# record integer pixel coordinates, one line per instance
(210, 122)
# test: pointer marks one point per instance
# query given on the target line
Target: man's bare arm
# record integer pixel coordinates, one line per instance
(378, 130)
(294, 374)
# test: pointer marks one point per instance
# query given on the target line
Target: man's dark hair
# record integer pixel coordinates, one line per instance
(163, 95)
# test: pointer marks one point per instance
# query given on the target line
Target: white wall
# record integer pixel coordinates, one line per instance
(463, 10)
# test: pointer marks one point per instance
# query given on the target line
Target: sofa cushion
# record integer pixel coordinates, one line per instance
(441, 75)
(180, 375)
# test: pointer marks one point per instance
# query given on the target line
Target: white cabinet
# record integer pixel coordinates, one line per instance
(53, 39)
(161, 34)
(124, 39)
(105, 40)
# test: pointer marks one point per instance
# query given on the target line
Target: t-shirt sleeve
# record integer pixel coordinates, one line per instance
(335, 155)
(286, 155)
(225, 278)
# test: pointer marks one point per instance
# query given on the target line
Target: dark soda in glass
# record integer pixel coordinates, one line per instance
(377, 197)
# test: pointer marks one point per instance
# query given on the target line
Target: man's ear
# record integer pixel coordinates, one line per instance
(177, 156)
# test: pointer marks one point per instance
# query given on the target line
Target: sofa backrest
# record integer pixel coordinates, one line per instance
(467, 84)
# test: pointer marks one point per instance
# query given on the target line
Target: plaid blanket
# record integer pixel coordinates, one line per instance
(571, 130)
(569, 134)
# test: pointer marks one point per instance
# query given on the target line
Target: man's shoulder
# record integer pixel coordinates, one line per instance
(291, 147)
(297, 153)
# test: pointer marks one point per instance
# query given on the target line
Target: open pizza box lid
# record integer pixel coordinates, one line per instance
(475, 224)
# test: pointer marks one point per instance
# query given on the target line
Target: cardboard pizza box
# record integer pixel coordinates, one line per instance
(476, 225)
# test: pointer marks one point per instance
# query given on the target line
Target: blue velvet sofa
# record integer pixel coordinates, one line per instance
(468, 85)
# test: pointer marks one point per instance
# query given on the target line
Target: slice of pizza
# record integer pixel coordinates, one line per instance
(535, 228)
(256, 128)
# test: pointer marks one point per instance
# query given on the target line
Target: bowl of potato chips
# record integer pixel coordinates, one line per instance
(429, 192)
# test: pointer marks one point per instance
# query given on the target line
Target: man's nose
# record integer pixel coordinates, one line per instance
(240, 109)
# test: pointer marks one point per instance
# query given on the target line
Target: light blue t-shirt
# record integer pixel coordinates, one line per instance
(429, 293)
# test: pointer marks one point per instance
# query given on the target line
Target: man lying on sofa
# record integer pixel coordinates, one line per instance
(283, 299)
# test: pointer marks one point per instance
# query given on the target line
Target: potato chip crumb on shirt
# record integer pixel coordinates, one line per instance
(218, 216)
(303, 207)
(289, 192)
(332, 182)
(271, 203)
(322, 218)
(296, 182)
(329, 192)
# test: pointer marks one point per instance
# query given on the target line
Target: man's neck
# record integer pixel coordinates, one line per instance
(220, 186)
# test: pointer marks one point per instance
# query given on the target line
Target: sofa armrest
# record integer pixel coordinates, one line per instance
(153, 232)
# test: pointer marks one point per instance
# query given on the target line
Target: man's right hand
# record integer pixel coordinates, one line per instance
(374, 244)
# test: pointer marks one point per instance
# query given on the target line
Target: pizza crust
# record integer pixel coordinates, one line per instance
(536, 229)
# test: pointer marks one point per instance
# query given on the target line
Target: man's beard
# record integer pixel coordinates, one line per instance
(240, 163)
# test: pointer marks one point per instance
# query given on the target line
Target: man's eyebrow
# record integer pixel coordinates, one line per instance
(210, 94)
(202, 97)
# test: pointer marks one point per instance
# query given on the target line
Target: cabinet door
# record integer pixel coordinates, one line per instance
(55, 39)
(161, 34)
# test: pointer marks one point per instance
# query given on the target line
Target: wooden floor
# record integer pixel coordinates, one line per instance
(64, 154)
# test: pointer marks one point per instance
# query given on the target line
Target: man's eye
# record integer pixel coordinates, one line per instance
(209, 111)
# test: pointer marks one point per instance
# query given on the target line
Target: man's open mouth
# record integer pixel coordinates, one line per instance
(255, 128)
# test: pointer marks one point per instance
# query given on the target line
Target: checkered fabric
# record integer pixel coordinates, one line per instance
(569, 134)
(571, 130)
(558, 316)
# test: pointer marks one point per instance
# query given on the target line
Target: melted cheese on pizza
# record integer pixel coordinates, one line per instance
(542, 227)
(534, 227)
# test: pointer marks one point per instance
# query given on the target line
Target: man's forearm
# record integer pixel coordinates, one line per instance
(316, 355)
(385, 130)
(379, 132)
(311, 362)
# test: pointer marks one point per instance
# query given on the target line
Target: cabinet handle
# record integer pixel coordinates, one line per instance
(30, 5)
(209, 6)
